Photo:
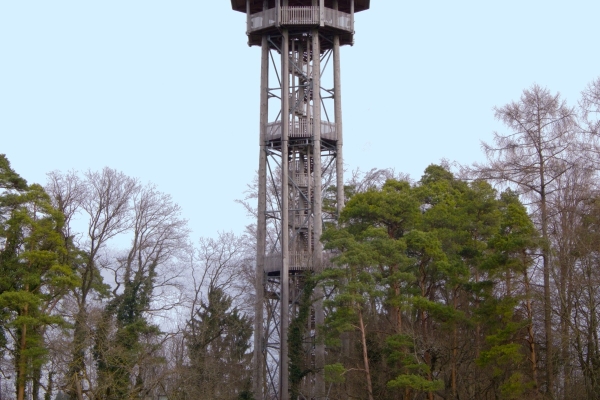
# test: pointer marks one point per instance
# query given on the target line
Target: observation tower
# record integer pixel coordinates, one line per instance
(300, 157)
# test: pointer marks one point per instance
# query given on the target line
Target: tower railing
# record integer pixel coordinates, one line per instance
(301, 129)
(262, 20)
(338, 19)
(299, 261)
(301, 179)
(300, 16)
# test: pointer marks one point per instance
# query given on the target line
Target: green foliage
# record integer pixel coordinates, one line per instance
(32, 273)
(515, 387)
(334, 373)
(439, 311)
(393, 208)
(410, 372)
(9, 179)
(438, 254)
(501, 354)
(415, 382)
(123, 334)
(218, 340)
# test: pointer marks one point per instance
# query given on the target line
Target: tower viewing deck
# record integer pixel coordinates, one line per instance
(300, 129)
(254, 6)
(300, 14)
(329, 20)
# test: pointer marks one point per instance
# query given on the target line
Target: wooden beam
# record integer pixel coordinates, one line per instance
(337, 104)
(261, 227)
(317, 211)
(285, 230)
(322, 13)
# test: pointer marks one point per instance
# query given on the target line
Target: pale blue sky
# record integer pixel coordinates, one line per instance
(167, 91)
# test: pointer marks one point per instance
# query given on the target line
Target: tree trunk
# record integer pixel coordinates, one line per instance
(547, 295)
(35, 384)
(22, 361)
(363, 339)
(530, 332)
(397, 310)
(50, 388)
(454, 351)
(78, 353)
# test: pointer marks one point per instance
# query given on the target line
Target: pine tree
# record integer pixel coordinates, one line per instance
(32, 277)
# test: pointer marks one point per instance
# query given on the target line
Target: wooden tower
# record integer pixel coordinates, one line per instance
(300, 156)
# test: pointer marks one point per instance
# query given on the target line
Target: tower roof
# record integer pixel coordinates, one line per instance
(257, 5)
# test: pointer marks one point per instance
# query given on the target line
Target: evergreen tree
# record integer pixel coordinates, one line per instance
(33, 278)
(218, 340)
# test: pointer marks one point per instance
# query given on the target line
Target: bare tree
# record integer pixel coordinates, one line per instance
(373, 179)
(273, 230)
(104, 198)
(68, 193)
(223, 263)
(211, 353)
(531, 158)
(146, 283)
(568, 207)
(583, 299)
(159, 241)
(590, 107)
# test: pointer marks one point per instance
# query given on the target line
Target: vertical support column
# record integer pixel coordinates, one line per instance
(317, 212)
(352, 13)
(261, 227)
(309, 118)
(285, 230)
(321, 13)
(337, 104)
(247, 17)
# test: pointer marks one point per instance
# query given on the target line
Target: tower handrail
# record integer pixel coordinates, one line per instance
(338, 19)
(262, 20)
(300, 15)
(303, 15)
(301, 128)
(299, 260)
